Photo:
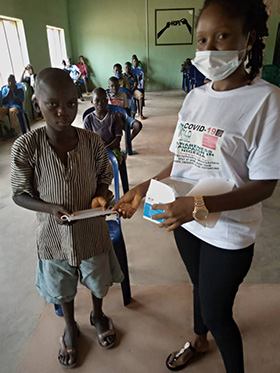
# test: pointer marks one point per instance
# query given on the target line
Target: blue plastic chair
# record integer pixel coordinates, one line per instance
(117, 239)
(117, 236)
(122, 167)
(21, 112)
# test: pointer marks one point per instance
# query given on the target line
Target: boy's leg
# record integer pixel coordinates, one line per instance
(70, 333)
(136, 128)
(101, 322)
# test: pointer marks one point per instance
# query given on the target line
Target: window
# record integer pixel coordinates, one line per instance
(14, 54)
(57, 47)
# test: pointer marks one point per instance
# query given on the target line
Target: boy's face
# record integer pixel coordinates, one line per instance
(99, 102)
(127, 68)
(57, 101)
(68, 62)
(117, 70)
(135, 62)
(11, 81)
(114, 87)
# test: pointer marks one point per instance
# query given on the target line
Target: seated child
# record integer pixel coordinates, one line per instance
(105, 123)
(58, 169)
(134, 57)
(12, 99)
(123, 82)
(115, 97)
(137, 94)
(84, 72)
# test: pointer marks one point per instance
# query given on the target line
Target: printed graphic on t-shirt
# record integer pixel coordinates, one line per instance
(116, 101)
(199, 145)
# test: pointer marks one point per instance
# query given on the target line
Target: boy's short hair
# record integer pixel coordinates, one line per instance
(128, 63)
(117, 65)
(113, 79)
(99, 90)
(45, 74)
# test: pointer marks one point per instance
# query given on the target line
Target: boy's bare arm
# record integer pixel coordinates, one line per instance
(115, 144)
(34, 204)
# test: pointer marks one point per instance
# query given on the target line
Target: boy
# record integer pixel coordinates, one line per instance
(75, 74)
(123, 82)
(137, 94)
(115, 97)
(105, 123)
(56, 170)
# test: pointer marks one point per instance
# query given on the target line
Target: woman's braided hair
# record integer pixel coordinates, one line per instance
(255, 17)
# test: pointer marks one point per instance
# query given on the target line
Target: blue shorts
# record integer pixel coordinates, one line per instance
(57, 281)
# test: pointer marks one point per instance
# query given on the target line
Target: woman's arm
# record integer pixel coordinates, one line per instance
(129, 203)
(180, 211)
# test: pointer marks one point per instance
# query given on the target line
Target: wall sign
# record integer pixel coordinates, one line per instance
(174, 26)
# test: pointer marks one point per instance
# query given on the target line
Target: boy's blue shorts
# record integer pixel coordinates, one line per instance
(57, 281)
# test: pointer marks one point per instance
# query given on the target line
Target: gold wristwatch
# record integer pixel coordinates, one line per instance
(200, 211)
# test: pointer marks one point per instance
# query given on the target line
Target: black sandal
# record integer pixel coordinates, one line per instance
(70, 352)
(178, 357)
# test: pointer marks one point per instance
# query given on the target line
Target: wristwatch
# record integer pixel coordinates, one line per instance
(200, 211)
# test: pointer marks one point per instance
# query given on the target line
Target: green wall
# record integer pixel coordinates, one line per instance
(107, 32)
(36, 14)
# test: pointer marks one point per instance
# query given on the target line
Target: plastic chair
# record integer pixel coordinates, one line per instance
(117, 236)
(271, 73)
(117, 240)
(194, 78)
(122, 168)
(21, 112)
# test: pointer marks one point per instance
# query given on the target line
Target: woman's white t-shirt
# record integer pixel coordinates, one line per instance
(235, 135)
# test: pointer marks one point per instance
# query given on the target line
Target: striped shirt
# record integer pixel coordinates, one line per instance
(37, 170)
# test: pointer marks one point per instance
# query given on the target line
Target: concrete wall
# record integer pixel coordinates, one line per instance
(35, 15)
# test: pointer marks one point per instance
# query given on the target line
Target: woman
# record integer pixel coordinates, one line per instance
(239, 117)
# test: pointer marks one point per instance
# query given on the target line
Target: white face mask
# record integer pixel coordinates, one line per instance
(217, 65)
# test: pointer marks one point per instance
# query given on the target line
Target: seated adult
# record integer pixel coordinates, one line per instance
(75, 74)
(12, 99)
(134, 84)
(84, 72)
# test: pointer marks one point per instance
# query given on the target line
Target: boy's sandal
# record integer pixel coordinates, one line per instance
(178, 359)
(102, 337)
(70, 352)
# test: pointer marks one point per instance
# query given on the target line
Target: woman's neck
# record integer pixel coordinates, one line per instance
(236, 80)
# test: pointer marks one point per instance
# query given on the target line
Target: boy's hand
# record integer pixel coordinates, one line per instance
(58, 211)
(99, 202)
(129, 203)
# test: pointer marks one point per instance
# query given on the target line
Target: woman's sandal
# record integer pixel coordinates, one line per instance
(102, 336)
(178, 358)
(70, 352)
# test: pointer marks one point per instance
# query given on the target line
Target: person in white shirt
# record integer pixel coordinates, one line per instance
(229, 129)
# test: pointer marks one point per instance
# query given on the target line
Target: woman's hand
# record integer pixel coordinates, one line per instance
(99, 202)
(129, 203)
(176, 213)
